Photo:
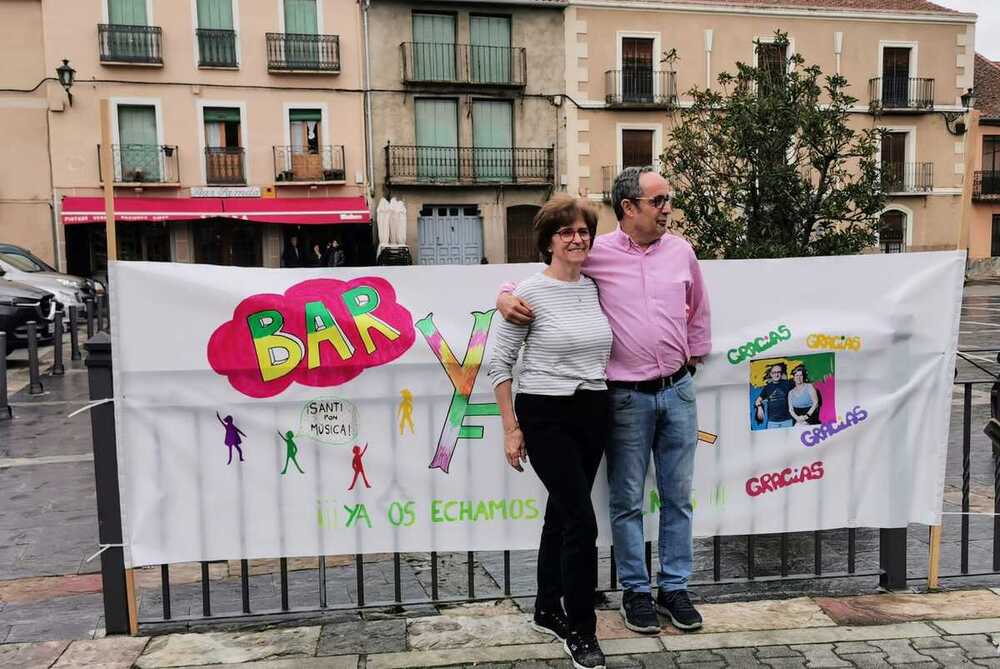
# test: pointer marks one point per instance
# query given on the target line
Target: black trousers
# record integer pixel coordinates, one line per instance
(565, 439)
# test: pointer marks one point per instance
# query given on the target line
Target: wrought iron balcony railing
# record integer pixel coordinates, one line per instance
(224, 165)
(986, 186)
(607, 182)
(216, 48)
(302, 164)
(130, 44)
(472, 64)
(143, 164)
(640, 87)
(908, 177)
(901, 94)
(469, 165)
(294, 52)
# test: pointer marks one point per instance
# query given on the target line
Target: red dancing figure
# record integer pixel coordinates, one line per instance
(232, 436)
(358, 467)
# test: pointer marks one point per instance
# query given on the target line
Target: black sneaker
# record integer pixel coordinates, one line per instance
(551, 622)
(677, 606)
(637, 610)
(584, 651)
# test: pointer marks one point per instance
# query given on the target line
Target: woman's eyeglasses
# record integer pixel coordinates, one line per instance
(567, 234)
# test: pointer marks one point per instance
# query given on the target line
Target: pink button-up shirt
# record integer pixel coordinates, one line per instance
(656, 302)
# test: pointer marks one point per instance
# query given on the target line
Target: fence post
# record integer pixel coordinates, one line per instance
(35, 381)
(57, 344)
(892, 558)
(90, 317)
(74, 333)
(109, 513)
(6, 413)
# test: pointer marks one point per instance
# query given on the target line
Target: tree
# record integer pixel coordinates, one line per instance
(769, 167)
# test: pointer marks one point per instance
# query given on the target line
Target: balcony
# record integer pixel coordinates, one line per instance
(907, 178)
(463, 64)
(143, 165)
(986, 186)
(130, 45)
(640, 88)
(901, 94)
(302, 165)
(607, 182)
(463, 166)
(292, 52)
(224, 165)
(216, 48)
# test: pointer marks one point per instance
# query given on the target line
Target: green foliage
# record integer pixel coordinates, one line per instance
(767, 165)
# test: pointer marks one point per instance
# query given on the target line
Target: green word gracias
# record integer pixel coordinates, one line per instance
(468, 510)
(758, 345)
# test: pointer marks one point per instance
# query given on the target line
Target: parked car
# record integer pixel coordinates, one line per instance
(19, 264)
(20, 303)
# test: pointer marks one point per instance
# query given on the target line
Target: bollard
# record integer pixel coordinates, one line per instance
(57, 344)
(74, 334)
(6, 413)
(101, 312)
(35, 385)
(90, 317)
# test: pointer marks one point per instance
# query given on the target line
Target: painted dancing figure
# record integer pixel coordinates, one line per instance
(232, 436)
(405, 411)
(291, 450)
(359, 468)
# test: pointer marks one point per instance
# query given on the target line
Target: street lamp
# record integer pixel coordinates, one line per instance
(952, 120)
(66, 75)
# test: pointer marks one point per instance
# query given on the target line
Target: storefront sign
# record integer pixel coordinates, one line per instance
(225, 191)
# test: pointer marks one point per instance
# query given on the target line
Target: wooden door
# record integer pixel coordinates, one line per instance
(894, 161)
(895, 77)
(637, 69)
(637, 148)
(521, 234)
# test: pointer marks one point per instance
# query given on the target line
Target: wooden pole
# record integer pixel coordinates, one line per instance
(934, 561)
(133, 612)
(108, 175)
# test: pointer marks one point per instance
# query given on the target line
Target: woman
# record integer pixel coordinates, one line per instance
(803, 399)
(316, 256)
(560, 418)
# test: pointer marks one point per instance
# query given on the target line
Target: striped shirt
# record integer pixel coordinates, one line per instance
(565, 348)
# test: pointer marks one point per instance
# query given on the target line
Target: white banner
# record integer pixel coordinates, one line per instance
(264, 413)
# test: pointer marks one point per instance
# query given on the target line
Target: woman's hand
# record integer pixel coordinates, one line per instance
(513, 446)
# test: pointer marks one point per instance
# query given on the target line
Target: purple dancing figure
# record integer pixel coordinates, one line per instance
(232, 436)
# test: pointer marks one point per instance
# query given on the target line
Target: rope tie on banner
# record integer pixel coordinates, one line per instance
(90, 406)
(104, 547)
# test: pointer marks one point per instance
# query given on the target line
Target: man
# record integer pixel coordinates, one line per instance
(334, 254)
(654, 296)
(775, 396)
(292, 256)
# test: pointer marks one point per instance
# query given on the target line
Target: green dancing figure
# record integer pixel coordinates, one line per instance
(291, 450)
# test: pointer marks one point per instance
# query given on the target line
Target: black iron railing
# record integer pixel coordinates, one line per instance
(640, 86)
(986, 186)
(143, 163)
(295, 52)
(463, 165)
(447, 63)
(607, 182)
(908, 177)
(130, 44)
(300, 163)
(216, 48)
(901, 93)
(224, 165)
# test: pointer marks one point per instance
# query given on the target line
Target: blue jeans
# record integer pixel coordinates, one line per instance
(664, 424)
(780, 423)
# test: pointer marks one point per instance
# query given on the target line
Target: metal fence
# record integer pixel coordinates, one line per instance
(216, 48)
(640, 86)
(473, 64)
(901, 93)
(143, 163)
(302, 163)
(986, 185)
(796, 561)
(907, 177)
(303, 53)
(224, 165)
(130, 44)
(480, 165)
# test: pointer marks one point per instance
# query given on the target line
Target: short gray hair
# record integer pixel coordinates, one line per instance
(627, 187)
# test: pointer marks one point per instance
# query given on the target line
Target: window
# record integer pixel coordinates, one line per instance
(216, 36)
(138, 149)
(894, 162)
(891, 234)
(490, 51)
(437, 139)
(434, 47)
(304, 133)
(991, 153)
(772, 61)
(637, 69)
(492, 137)
(127, 12)
(637, 148)
(896, 77)
(223, 145)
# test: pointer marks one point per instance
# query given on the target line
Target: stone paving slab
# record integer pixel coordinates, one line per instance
(910, 630)
(30, 655)
(980, 626)
(441, 658)
(879, 609)
(178, 650)
(463, 631)
(118, 652)
(342, 662)
(34, 589)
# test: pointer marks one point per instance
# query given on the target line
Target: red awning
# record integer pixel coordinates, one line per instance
(302, 211)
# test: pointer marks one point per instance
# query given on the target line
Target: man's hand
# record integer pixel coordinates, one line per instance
(695, 360)
(514, 309)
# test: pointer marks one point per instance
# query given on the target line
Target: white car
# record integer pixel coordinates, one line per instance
(18, 264)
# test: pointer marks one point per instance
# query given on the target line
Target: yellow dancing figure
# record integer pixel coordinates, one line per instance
(405, 411)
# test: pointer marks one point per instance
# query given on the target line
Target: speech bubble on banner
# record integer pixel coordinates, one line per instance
(329, 420)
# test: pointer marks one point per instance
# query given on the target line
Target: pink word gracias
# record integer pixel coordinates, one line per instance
(321, 332)
(783, 479)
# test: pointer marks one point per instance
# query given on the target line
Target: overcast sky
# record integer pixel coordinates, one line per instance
(988, 27)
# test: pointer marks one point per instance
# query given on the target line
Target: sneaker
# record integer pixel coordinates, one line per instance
(551, 622)
(677, 606)
(637, 610)
(584, 651)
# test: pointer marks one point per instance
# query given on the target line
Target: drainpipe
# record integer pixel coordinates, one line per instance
(366, 82)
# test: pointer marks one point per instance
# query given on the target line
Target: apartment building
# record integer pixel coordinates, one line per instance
(909, 62)
(983, 213)
(466, 121)
(235, 125)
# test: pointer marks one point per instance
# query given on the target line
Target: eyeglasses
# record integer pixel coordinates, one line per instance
(658, 202)
(568, 234)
